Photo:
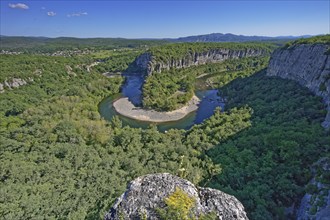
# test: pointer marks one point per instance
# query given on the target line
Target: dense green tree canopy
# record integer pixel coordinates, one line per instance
(60, 160)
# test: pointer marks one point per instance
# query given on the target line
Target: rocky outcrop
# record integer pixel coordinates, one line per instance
(13, 83)
(152, 64)
(316, 202)
(147, 193)
(2, 89)
(309, 65)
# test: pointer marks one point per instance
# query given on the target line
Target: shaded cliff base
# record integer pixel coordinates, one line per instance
(307, 64)
(126, 108)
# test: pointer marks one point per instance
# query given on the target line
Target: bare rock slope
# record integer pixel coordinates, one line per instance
(147, 193)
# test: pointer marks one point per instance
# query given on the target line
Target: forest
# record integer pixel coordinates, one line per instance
(172, 89)
(45, 45)
(60, 160)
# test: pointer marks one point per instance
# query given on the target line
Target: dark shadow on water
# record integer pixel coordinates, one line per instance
(132, 88)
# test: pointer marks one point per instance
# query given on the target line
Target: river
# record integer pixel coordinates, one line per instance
(132, 89)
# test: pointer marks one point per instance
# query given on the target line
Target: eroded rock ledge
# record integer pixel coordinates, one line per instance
(146, 193)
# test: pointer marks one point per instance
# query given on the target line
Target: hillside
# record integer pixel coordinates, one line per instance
(44, 44)
(59, 159)
(219, 37)
(166, 66)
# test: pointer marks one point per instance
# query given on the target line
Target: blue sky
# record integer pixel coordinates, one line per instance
(162, 19)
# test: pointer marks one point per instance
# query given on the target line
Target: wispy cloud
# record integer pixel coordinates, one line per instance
(19, 6)
(51, 13)
(77, 14)
(43, 8)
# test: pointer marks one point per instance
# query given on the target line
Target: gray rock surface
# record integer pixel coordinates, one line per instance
(143, 60)
(151, 64)
(316, 205)
(309, 65)
(12, 83)
(1, 88)
(146, 193)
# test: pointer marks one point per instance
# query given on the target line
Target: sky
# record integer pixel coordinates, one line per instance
(163, 19)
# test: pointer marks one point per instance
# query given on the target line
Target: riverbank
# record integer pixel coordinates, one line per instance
(124, 107)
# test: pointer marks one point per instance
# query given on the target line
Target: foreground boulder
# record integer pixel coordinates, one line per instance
(146, 195)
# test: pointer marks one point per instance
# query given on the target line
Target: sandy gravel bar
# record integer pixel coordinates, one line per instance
(124, 107)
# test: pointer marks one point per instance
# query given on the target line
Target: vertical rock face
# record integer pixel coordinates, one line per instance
(316, 203)
(147, 193)
(150, 63)
(143, 60)
(309, 65)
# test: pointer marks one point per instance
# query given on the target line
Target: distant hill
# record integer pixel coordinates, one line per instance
(66, 43)
(46, 44)
(218, 37)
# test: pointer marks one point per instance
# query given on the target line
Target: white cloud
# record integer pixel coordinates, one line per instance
(19, 6)
(51, 13)
(77, 14)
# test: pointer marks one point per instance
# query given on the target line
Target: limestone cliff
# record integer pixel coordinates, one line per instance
(147, 193)
(151, 63)
(309, 65)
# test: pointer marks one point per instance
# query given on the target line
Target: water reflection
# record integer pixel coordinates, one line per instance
(132, 89)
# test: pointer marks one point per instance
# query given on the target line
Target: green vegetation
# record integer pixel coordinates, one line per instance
(116, 61)
(49, 45)
(180, 206)
(323, 39)
(168, 91)
(35, 66)
(320, 186)
(234, 69)
(172, 89)
(267, 166)
(60, 160)
(322, 87)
